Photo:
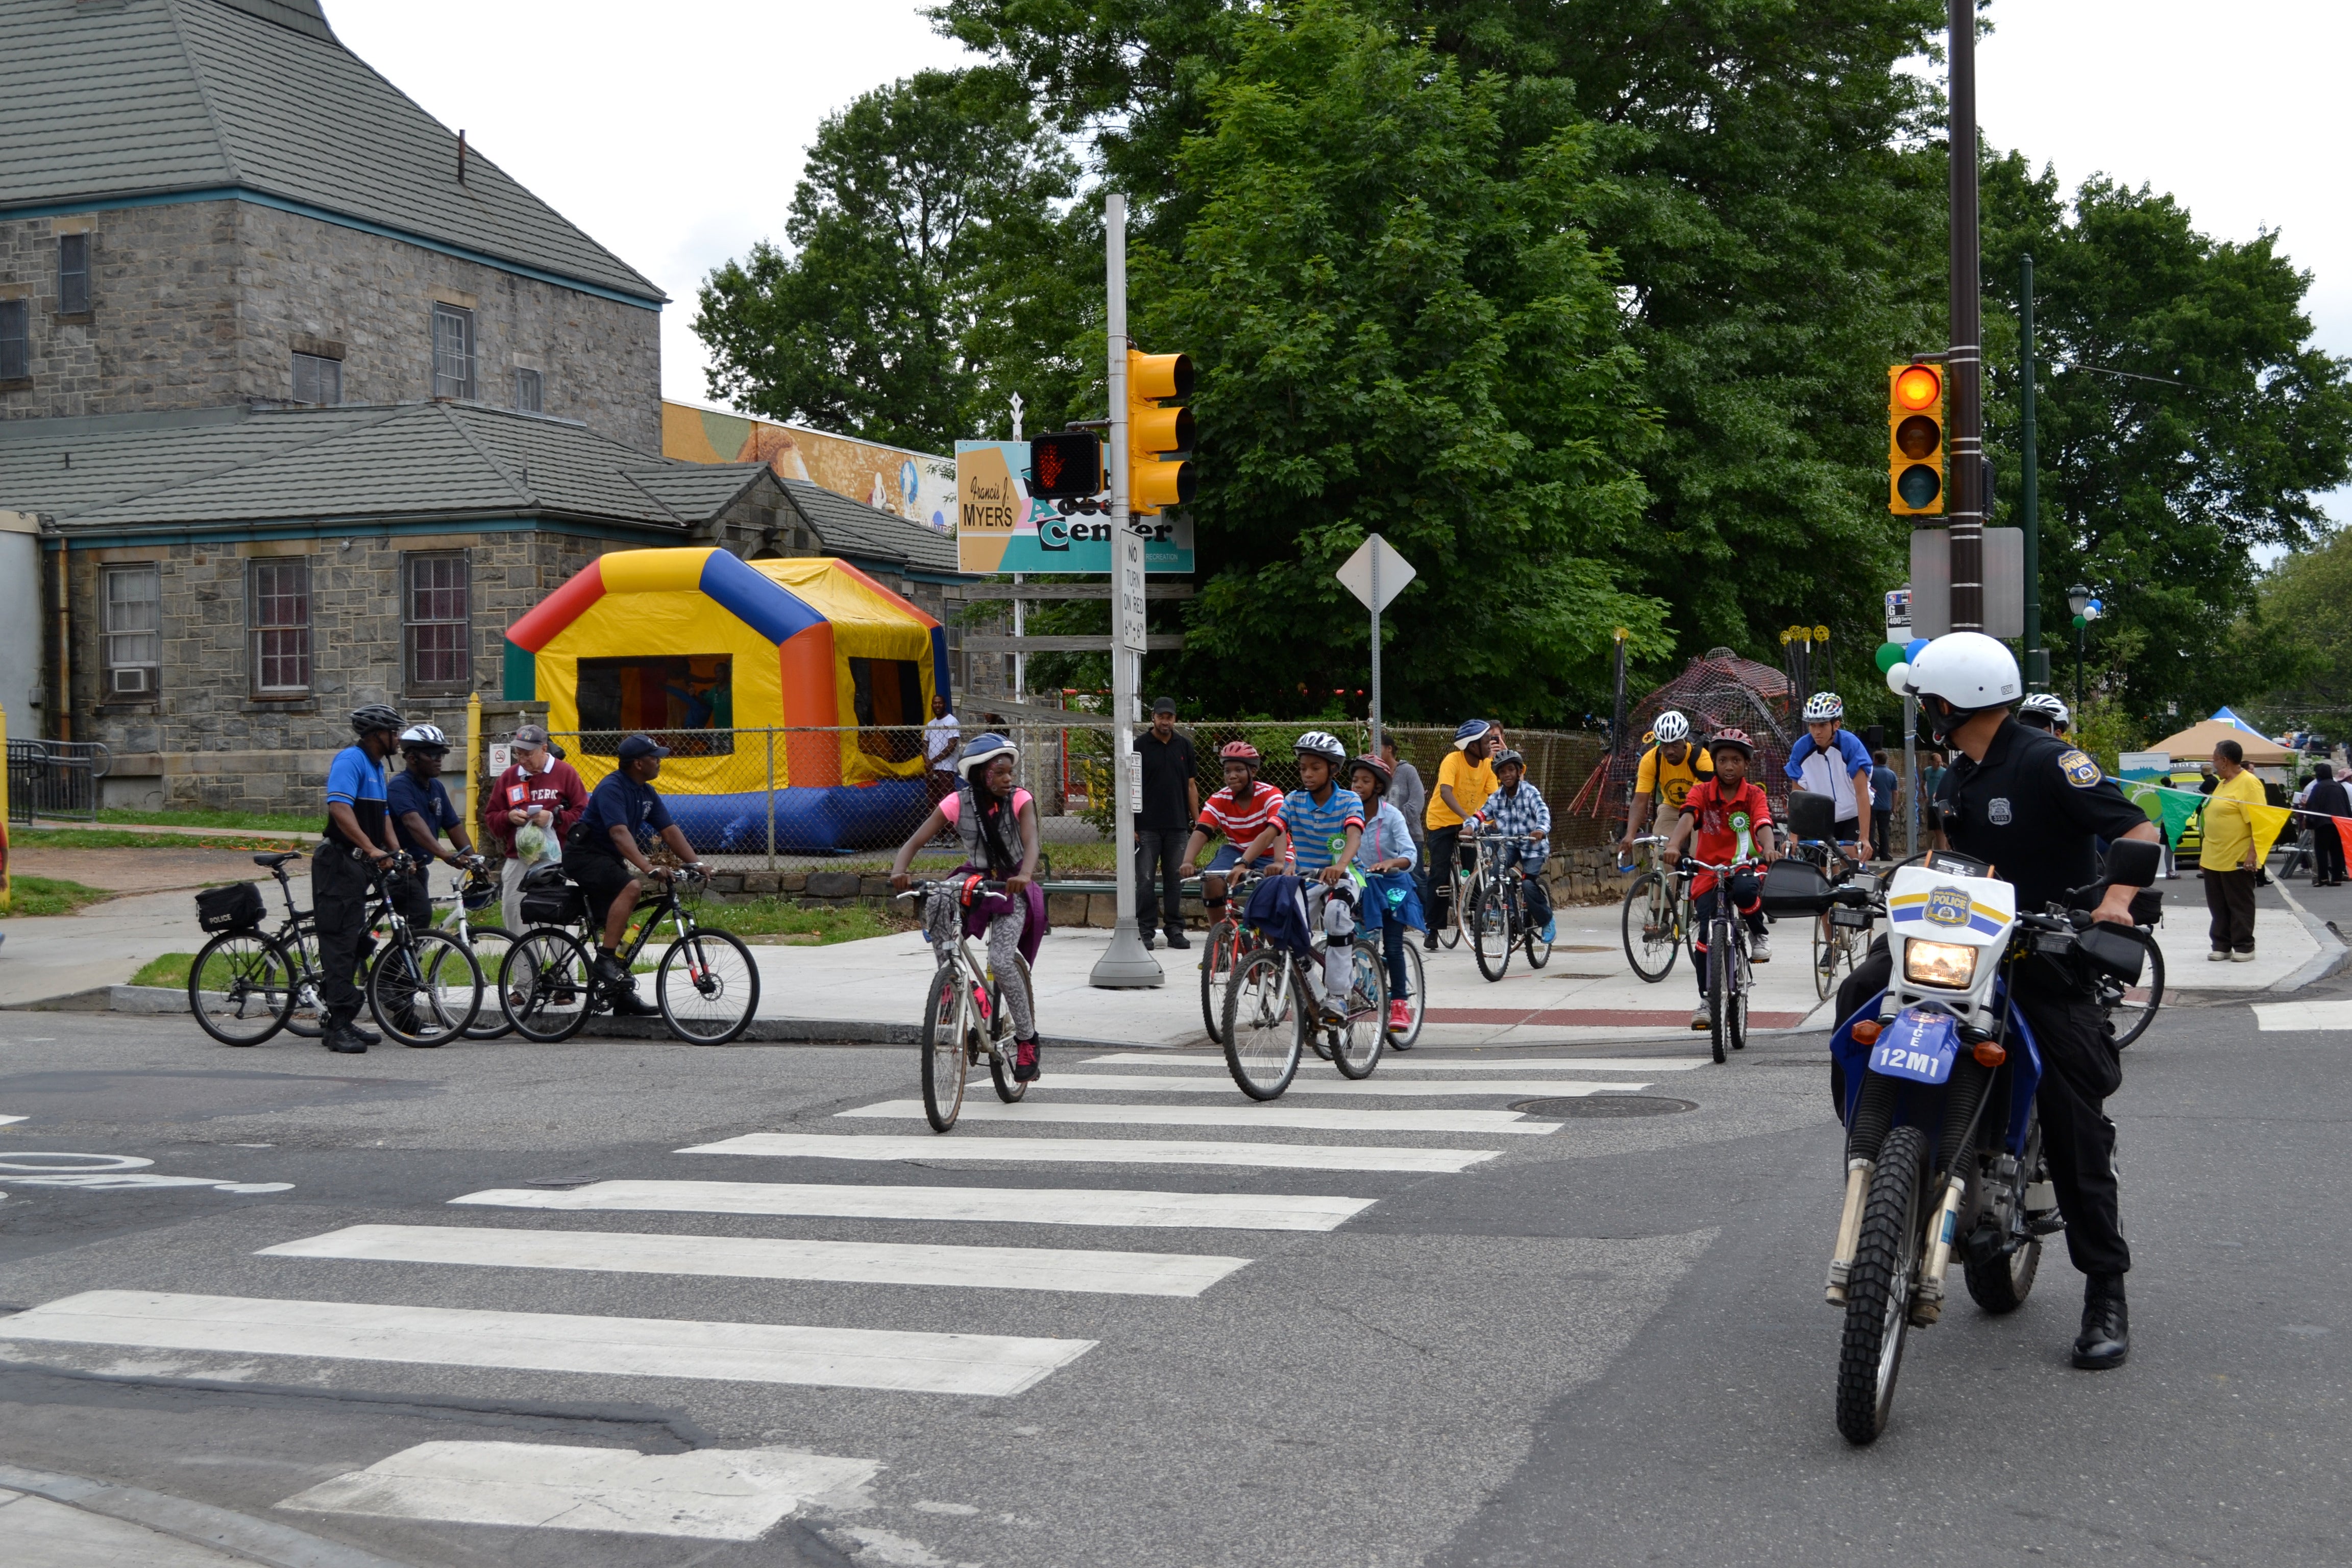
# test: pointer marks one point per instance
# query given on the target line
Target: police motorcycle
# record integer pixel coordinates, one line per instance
(1943, 1142)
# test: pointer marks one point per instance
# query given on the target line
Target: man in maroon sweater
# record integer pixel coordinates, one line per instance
(539, 788)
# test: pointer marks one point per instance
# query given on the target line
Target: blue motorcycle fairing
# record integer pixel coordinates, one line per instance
(1919, 1045)
(2024, 1062)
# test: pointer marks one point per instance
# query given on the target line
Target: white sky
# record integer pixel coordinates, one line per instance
(674, 134)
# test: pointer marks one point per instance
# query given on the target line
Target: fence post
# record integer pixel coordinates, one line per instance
(7, 893)
(770, 733)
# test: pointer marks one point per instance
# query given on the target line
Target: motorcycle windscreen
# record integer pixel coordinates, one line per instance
(1919, 1045)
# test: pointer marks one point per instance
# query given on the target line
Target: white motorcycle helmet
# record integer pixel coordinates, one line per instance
(1961, 675)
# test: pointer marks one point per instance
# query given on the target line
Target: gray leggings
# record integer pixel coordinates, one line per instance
(944, 923)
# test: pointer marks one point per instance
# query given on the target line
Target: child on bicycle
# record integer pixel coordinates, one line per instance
(1726, 822)
(1517, 810)
(1248, 814)
(1386, 858)
(997, 824)
(1325, 825)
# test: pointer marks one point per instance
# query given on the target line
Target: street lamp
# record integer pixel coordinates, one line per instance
(2078, 600)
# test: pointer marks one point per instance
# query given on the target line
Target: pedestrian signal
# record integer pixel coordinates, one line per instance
(1159, 438)
(1065, 466)
(1915, 440)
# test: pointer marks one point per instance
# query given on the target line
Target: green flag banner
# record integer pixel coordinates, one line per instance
(2169, 809)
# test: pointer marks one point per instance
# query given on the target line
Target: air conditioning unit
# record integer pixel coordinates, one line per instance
(130, 682)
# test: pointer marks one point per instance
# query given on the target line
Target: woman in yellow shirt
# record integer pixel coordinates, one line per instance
(1464, 780)
(2227, 855)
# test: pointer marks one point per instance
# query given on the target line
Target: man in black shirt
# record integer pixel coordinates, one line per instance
(2028, 804)
(1171, 800)
(2328, 796)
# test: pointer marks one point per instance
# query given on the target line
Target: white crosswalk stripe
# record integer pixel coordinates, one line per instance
(995, 1205)
(1373, 1087)
(1243, 1113)
(1393, 1063)
(980, 1147)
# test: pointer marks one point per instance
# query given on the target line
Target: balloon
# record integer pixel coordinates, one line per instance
(1890, 654)
(1897, 677)
(1911, 649)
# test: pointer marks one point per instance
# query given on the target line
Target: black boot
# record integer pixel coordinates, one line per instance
(2105, 1338)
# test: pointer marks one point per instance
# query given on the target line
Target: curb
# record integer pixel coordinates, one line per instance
(2331, 957)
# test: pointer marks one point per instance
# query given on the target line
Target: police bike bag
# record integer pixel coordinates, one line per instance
(551, 899)
(235, 907)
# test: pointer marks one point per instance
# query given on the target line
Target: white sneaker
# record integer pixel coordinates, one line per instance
(1759, 948)
(2219, 955)
(1699, 1019)
(2241, 958)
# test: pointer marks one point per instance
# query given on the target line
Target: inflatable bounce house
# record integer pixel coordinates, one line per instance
(696, 647)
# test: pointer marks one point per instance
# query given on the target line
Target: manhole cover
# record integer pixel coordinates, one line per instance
(1605, 1106)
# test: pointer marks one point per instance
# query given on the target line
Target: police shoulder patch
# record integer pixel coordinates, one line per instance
(2080, 770)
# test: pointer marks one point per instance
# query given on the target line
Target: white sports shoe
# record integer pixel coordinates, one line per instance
(1699, 1019)
(1759, 948)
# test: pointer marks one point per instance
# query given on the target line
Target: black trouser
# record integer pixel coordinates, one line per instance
(2080, 1069)
(1444, 846)
(2229, 896)
(340, 883)
(2326, 852)
(1161, 855)
(1882, 832)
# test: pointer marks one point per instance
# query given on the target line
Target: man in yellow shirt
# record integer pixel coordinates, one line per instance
(1464, 780)
(1669, 770)
(2227, 855)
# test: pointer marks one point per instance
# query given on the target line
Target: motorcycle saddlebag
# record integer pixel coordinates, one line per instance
(1795, 887)
(236, 908)
(551, 899)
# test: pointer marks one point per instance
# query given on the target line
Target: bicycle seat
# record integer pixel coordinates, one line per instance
(275, 860)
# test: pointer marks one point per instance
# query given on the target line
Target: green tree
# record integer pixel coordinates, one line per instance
(911, 300)
(2183, 419)
(2305, 605)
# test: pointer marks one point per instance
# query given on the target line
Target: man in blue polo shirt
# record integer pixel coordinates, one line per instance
(625, 812)
(357, 843)
(421, 813)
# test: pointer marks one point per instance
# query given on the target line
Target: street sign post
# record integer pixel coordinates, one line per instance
(1376, 574)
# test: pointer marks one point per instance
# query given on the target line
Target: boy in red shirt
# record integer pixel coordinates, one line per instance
(1726, 821)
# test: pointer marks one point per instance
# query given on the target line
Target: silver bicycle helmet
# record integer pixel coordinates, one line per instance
(2048, 708)
(427, 737)
(1671, 727)
(1315, 743)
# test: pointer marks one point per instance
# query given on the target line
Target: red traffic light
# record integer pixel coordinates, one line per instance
(1065, 466)
(1918, 388)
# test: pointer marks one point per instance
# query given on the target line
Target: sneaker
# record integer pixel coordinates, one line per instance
(2219, 955)
(2241, 958)
(1179, 941)
(1399, 1016)
(344, 1039)
(1759, 948)
(1146, 939)
(1025, 1063)
(1550, 931)
(1699, 1020)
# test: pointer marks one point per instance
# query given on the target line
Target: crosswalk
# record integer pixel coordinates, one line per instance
(723, 1229)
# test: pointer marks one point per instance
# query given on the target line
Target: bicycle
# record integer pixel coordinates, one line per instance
(1499, 919)
(706, 986)
(1840, 934)
(1467, 880)
(1231, 941)
(964, 1015)
(478, 886)
(1730, 973)
(1657, 917)
(1268, 1021)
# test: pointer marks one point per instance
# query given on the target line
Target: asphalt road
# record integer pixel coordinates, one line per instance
(1600, 1344)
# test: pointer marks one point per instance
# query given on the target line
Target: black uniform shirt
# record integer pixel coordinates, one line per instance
(2031, 808)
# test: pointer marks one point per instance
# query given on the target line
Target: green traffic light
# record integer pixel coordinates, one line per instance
(1919, 486)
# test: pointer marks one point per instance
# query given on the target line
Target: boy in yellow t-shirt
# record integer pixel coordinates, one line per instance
(2227, 855)
(1464, 780)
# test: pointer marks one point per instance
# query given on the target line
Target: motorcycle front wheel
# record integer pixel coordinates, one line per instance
(1878, 1289)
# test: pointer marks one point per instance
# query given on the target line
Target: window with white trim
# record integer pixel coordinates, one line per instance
(132, 607)
(529, 389)
(279, 597)
(453, 351)
(437, 622)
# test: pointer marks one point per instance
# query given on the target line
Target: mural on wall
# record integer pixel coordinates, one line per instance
(913, 484)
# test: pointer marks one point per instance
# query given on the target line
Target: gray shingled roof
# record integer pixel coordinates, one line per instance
(870, 533)
(151, 97)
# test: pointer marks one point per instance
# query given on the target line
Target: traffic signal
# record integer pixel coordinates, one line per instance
(1158, 439)
(1065, 466)
(1915, 440)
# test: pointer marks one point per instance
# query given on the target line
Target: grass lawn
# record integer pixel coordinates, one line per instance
(117, 838)
(775, 916)
(47, 896)
(170, 970)
(267, 821)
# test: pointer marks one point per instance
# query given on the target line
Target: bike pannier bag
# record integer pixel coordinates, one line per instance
(237, 907)
(551, 899)
(1795, 887)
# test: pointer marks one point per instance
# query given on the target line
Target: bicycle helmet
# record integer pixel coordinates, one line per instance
(425, 738)
(1959, 676)
(2043, 711)
(1239, 752)
(1508, 757)
(985, 750)
(1737, 739)
(1377, 768)
(373, 717)
(1471, 729)
(1823, 706)
(1317, 743)
(1671, 727)
(480, 889)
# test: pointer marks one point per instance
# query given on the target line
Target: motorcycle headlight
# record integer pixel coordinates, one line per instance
(1946, 965)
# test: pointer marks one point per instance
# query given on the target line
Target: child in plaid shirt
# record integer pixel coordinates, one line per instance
(1517, 810)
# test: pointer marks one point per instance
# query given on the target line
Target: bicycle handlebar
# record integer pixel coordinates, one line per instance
(987, 884)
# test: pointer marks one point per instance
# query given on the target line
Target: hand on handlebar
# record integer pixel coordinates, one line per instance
(901, 881)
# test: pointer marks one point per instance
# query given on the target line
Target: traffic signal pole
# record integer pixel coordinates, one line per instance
(2037, 657)
(1964, 365)
(1127, 963)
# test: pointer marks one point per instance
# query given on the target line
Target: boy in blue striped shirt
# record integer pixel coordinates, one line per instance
(1325, 825)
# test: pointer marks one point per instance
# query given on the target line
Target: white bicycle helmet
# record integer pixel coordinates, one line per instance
(1316, 742)
(1969, 672)
(2049, 707)
(1671, 727)
(424, 735)
(983, 750)
(1823, 706)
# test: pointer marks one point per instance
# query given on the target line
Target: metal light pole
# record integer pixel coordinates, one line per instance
(1127, 963)
(2078, 600)
(2037, 657)
(1964, 364)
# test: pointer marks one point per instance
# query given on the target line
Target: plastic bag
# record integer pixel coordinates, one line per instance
(536, 846)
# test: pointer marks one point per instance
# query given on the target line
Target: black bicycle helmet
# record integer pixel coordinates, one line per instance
(375, 716)
(1509, 758)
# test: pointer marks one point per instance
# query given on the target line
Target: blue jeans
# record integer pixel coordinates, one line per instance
(1391, 920)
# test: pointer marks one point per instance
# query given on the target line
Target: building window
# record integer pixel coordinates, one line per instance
(438, 622)
(317, 380)
(73, 275)
(453, 352)
(16, 339)
(135, 630)
(529, 385)
(281, 626)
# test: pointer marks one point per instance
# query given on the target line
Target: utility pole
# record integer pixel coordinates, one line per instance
(2037, 657)
(1964, 366)
(1127, 963)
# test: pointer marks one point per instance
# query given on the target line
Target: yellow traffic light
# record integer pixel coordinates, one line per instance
(1158, 439)
(1915, 440)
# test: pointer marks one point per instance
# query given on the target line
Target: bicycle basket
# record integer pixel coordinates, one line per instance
(236, 908)
(1795, 887)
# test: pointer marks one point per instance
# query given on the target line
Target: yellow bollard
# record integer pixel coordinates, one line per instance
(473, 757)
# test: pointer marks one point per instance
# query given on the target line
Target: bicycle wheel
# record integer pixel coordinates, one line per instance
(1719, 985)
(425, 988)
(1535, 945)
(1265, 1025)
(490, 945)
(1356, 1047)
(1416, 1005)
(1743, 980)
(307, 1017)
(1216, 972)
(946, 1048)
(1000, 1068)
(1826, 947)
(1652, 942)
(241, 988)
(2135, 1010)
(545, 985)
(1490, 932)
(708, 986)
(1465, 889)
